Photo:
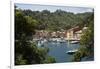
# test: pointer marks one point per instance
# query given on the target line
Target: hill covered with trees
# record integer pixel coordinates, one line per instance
(57, 20)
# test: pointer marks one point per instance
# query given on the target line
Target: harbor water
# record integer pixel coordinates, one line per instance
(58, 50)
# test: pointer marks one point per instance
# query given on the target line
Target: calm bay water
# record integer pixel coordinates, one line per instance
(58, 51)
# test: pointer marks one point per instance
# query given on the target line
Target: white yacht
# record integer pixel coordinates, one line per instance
(74, 42)
(71, 51)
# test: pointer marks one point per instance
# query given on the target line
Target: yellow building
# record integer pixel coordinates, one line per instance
(75, 33)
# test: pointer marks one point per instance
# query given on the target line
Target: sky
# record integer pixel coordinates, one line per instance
(36, 7)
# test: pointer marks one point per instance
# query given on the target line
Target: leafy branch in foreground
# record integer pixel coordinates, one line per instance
(25, 51)
(87, 42)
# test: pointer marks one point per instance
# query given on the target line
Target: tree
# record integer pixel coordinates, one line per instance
(57, 20)
(86, 42)
(26, 52)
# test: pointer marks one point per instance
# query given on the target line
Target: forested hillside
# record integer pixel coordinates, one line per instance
(57, 20)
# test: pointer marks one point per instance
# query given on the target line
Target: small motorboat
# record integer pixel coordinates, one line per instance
(71, 52)
(74, 42)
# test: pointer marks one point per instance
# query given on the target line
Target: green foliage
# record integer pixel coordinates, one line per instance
(26, 52)
(20, 60)
(86, 42)
(77, 57)
(50, 59)
(82, 52)
(57, 20)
